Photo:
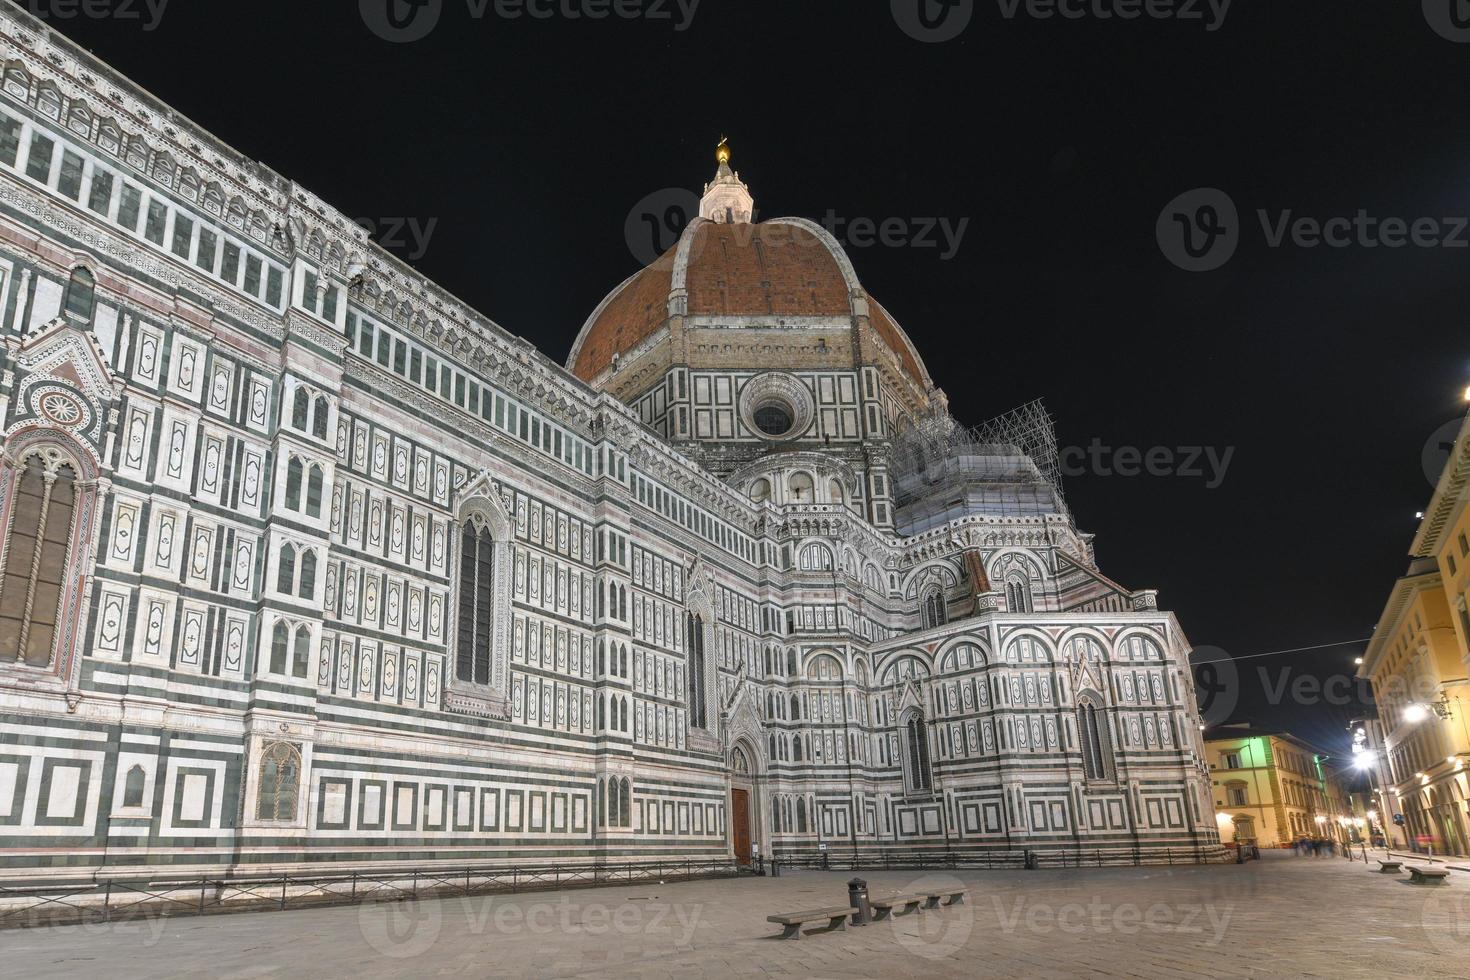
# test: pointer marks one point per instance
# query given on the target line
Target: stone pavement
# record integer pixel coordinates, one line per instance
(1283, 916)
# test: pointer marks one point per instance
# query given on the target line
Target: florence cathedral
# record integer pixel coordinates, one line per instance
(306, 561)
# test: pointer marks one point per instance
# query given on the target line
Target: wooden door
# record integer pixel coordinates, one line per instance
(740, 824)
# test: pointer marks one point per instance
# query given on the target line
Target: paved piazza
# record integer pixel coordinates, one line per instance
(1285, 916)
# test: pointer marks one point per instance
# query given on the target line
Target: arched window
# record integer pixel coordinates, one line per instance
(916, 772)
(698, 712)
(776, 814)
(760, 490)
(280, 778)
(300, 408)
(801, 815)
(319, 418)
(795, 707)
(625, 805)
(932, 612)
(301, 654)
(308, 574)
(612, 802)
(1018, 594)
(133, 787)
(31, 592)
(314, 493)
(286, 570)
(623, 662)
(293, 484)
(796, 748)
(800, 485)
(280, 641)
(1096, 744)
(81, 294)
(476, 599)
(815, 558)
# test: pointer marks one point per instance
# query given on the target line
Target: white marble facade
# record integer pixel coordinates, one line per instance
(306, 561)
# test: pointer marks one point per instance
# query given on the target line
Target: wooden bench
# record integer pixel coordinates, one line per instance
(1427, 876)
(956, 896)
(1389, 867)
(793, 921)
(884, 907)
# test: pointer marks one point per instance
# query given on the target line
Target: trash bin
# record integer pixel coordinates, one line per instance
(857, 897)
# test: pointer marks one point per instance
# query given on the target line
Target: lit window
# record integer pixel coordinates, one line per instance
(31, 595)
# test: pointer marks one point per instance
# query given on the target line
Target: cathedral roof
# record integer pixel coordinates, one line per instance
(762, 275)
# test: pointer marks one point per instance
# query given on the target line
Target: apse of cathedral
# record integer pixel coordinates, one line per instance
(306, 561)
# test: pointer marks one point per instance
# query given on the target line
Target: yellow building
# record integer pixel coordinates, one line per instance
(1418, 662)
(1273, 788)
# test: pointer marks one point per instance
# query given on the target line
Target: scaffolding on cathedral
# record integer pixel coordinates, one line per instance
(935, 456)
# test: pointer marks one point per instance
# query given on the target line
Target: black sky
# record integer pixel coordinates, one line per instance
(1325, 369)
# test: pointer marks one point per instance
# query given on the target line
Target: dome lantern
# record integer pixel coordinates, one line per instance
(726, 198)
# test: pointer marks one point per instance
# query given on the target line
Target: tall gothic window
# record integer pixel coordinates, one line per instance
(932, 612)
(81, 294)
(1097, 746)
(133, 787)
(917, 775)
(476, 599)
(280, 778)
(698, 713)
(1018, 595)
(293, 484)
(35, 561)
(300, 409)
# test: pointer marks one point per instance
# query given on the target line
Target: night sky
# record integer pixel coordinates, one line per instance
(1323, 370)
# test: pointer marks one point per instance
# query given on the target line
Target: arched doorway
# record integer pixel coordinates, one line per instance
(743, 827)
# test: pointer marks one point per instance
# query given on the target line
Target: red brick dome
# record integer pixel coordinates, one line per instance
(773, 273)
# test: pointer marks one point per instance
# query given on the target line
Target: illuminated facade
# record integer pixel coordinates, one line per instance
(1419, 664)
(1273, 788)
(307, 561)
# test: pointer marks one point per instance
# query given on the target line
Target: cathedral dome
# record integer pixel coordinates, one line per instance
(786, 280)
